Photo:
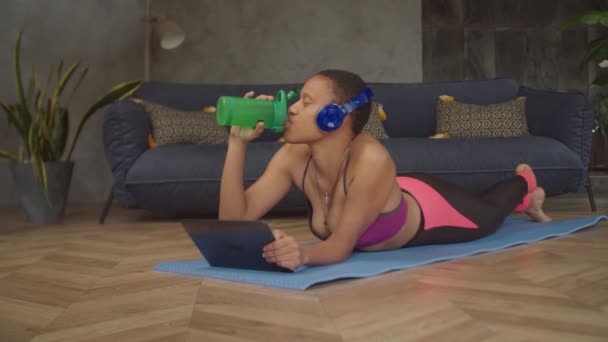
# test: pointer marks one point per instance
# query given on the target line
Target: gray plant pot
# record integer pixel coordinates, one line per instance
(31, 192)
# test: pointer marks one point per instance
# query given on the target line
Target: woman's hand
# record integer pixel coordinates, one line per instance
(248, 134)
(285, 251)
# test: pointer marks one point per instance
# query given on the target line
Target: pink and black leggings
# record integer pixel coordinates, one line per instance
(451, 214)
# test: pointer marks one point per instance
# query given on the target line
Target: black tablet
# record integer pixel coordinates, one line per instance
(232, 243)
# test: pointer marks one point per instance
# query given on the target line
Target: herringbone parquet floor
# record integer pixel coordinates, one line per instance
(80, 281)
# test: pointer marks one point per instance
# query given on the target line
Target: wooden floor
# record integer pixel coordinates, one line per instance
(79, 281)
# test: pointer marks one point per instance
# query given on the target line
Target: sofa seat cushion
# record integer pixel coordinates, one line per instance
(476, 164)
(186, 163)
(182, 177)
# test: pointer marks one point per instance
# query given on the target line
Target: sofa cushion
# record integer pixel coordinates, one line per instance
(462, 120)
(187, 177)
(478, 163)
(187, 163)
(417, 118)
(173, 126)
(374, 123)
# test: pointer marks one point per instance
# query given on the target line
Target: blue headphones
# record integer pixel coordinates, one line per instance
(330, 116)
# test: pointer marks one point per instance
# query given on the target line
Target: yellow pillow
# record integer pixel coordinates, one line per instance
(381, 112)
(439, 136)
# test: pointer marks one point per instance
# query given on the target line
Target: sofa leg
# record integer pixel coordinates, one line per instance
(590, 194)
(106, 207)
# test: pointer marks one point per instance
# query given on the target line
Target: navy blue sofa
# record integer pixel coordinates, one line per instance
(186, 178)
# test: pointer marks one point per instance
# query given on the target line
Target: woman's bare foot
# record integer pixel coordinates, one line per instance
(535, 209)
(523, 167)
(526, 172)
(537, 198)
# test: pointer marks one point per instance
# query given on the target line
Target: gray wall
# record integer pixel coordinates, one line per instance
(229, 41)
(478, 39)
(106, 36)
(240, 41)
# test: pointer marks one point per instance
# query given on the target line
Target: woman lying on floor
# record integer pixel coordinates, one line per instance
(356, 201)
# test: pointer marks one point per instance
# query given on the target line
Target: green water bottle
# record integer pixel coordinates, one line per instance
(247, 112)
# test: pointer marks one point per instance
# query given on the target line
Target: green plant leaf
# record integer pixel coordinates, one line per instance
(593, 18)
(37, 101)
(59, 68)
(17, 66)
(31, 88)
(597, 49)
(586, 18)
(12, 115)
(43, 118)
(43, 141)
(50, 120)
(26, 118)
(77, 85)
(60, 132)
(8, 155)
(61, 85)
(45, 183)
(117, 93)
(36, 159)
(44, 90)
(571, 21)
(16, 120)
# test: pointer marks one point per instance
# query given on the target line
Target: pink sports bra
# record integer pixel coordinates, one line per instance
(385, 226)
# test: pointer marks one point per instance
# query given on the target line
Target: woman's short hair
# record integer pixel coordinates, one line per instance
(347, 85)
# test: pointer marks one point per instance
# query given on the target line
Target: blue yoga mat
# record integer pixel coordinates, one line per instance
(361, 264)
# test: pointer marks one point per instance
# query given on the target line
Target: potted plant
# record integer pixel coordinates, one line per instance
(597, 50)
(41, 169)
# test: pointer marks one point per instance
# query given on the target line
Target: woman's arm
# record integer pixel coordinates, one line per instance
(373, 179)
(261, 196)
(251, 204)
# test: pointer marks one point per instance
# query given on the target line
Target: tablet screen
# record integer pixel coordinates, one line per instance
(232, 243)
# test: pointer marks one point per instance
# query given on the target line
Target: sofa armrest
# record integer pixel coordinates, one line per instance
(565, 116)
(125, 137)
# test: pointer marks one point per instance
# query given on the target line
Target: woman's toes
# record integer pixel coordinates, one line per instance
(522, 167)
(524, 170)
(535, 211)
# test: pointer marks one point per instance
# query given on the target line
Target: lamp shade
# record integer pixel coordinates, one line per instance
(169, 33)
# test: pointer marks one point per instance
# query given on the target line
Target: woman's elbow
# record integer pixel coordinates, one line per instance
(342, 255)
(233, 215)
(229, 215)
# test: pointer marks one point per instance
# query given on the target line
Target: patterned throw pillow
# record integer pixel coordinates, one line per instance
(374, 124)
(460, 120)
(172, 126)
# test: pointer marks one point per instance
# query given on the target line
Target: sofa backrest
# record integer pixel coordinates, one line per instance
(184, 96)
(410, 107)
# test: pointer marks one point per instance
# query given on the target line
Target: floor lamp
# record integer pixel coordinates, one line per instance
(169, 33)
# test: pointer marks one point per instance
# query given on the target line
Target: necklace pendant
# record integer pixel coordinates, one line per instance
(326, 197)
